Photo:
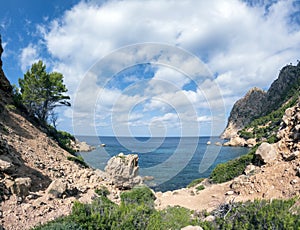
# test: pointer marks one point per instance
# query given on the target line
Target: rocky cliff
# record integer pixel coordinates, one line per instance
(244, 111)
(257, 103)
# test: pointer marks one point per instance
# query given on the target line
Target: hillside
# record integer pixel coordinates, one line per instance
(38, 182)
(258, 103)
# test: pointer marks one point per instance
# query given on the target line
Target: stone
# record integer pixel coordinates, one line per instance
(229, 193)
(190, 227)
(251, 142)
(5, 165)
(210, 218)
(266, 153)
(20, 186)
(122, 170)
(249, 169)
(236, 141)
(57, 188)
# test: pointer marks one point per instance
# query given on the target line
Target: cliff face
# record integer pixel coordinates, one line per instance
(244, 111)
(5, 87)
(257, 103)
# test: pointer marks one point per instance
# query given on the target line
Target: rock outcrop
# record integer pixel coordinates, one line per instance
(5, 87)
(266, 152)
(122, 170)
(257, 103)
(244, 111)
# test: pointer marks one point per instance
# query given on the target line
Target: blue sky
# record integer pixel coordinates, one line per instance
(239, 44)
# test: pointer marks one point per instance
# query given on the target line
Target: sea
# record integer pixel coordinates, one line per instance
(170, 162)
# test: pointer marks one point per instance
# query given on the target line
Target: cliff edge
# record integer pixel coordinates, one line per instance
(258, 103)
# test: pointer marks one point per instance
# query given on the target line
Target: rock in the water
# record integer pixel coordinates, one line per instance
(266, 153)
(57, 188)
(122, 170)
(236, 141)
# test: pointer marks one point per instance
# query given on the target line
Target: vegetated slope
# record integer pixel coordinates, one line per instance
(258, 103)
(38, 182)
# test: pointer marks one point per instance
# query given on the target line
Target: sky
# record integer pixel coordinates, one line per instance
(151, 68)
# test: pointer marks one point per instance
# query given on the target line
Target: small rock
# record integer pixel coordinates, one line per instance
(293, 182)
(57, 188)
(229, 193)
(209, 218)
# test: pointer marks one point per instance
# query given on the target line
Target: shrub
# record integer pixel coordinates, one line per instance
(138, 195)
(102, 191)
(233, 168)
(79, 160)
(200, 187)
(171, 218)
(195, 182)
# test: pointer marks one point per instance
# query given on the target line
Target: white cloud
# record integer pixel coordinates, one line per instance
(243, 46)
(29, 55)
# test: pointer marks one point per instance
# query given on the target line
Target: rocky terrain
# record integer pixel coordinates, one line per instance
(38, 182)
(257, 103)
(275, 175)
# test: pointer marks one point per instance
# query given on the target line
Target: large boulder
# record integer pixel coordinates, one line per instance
(122, 170)
(266, 152)
(57, 188)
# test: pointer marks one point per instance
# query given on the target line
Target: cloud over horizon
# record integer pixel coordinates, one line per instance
(243, 45)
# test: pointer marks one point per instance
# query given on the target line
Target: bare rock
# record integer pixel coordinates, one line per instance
(5, 165)
(122, 170)
(249, 169)
(266, 153)
(236, 141)
(57, 188)
(20, 186)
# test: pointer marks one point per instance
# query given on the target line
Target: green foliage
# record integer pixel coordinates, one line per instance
(102, 191)
(63, 138)
(10, 107)
(195, 182)
(171, 218)
(17, 97)
(41, 92)
(60, 224)
(79, 160)
(233, 168)
(200, 187)
(259, 214)
(138, 195)
(267, 126)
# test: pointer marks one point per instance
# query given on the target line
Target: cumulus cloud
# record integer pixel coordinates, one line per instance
(29, 55)
(242, 45)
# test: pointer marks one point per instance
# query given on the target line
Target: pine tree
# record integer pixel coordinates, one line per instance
(41, 91)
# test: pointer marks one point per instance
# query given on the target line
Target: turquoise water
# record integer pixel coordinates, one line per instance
(173, 161)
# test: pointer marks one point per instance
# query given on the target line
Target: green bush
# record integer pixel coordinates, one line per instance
(79, 160)
(200, 187)
(195, 182)
(171, 218)
(138, 195)
(102, 191)
(260, 214)
(10, 107)
(233, 168)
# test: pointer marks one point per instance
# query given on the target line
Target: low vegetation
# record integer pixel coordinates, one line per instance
(79, 160)
(136, 211)
(266, 127)
(195, 182)
(233, 168)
